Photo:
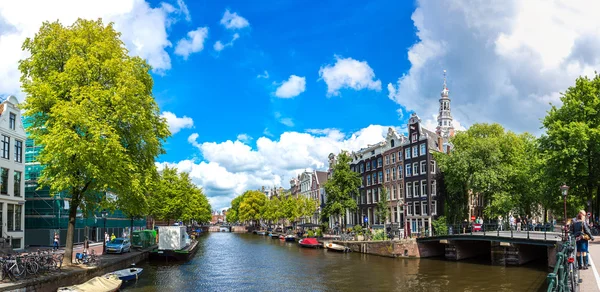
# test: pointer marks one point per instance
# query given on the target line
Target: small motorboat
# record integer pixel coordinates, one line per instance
(310, 242)
(262, 232)
(274, 235)
(337, 247)
(290, 237)
(127, 274)
(106, 283)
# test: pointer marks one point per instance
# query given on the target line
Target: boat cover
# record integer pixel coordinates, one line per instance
(310, 241)
(97, 284)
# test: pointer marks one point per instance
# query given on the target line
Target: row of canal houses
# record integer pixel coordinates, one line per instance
(402, 165)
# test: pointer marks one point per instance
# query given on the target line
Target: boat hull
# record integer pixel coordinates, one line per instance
(175, 255)
(310, 245)
(290, 239)
(336, 247)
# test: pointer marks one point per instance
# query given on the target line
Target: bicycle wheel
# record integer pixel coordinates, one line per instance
(18, 270)
(32, 267)
(573, 278)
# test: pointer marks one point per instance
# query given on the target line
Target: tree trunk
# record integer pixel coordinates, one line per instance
(71, 229)
(131, 231)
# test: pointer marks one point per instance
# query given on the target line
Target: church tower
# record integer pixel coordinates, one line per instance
(444, 119)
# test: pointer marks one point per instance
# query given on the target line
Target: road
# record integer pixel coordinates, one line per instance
(591, 276)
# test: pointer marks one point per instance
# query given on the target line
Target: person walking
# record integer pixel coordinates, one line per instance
(112, 236)
(86, 245)
(581, 231)
(56, 240)
(500, 222)
(511, 221)
(519, 223)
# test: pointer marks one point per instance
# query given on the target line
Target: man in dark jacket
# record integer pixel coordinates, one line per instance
(581, 231)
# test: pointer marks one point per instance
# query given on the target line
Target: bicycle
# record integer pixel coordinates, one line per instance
(573, 271)
(88, 259)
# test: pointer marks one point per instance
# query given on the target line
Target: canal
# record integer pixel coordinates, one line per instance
(248, 262)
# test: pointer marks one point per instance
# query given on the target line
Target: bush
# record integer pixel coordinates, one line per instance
(358, 230)
(440, 226)
(379, 235)
(310, 233)
(319, 233)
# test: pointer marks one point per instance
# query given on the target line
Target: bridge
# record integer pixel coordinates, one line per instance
(504, 247)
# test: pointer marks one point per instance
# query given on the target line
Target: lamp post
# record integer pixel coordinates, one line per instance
(104, 214)
(565, 189)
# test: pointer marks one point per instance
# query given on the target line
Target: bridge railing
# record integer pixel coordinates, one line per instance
(493, 229)
(564, 277)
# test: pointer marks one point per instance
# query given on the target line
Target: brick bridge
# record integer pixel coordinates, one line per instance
(504, 247)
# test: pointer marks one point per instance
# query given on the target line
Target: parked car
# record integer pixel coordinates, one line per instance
(118, 245)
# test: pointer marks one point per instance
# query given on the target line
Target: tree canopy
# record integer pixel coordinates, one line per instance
(251, 206)
(341, 188)
(91, 108)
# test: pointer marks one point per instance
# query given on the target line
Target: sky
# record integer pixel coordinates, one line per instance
(256, 92)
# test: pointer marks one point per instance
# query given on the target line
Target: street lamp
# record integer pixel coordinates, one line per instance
(104, 214)
(565, 189)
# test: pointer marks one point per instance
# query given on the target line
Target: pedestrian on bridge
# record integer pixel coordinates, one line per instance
(581, 231)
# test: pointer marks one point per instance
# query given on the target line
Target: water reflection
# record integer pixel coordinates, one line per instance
(247, 262)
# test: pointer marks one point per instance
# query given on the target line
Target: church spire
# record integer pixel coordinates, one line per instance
(444, 119)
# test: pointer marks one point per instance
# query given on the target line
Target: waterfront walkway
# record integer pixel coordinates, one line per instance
(591, 276)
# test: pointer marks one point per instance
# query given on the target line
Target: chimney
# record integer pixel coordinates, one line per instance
(440, 143)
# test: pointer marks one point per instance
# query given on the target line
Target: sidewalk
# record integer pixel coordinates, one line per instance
(591, 276)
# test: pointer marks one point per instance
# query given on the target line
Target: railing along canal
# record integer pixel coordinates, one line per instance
(540, 231)
(565, 276)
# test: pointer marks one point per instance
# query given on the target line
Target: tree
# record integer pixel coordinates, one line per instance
(572, 142)
(252, 205)
(341, 189)
(308, 206)
(291, 210)
(233, 212)
(92, 109)
(382, 209)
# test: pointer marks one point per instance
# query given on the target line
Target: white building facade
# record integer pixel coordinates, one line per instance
(12, 173)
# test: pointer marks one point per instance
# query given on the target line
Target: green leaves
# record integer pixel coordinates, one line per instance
(341, 188)
(251, 206)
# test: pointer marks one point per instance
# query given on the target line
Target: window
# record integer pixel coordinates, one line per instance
(18, 212)
(17, 175)
(392, 142)
(374, 164)
(423, 167)
(394, 192)
(387, 160)
(352, 168)
(379, 162)
(368, 180)
(362, 198)
(12, 121)
(380, 180)
(433, 188)
(400, 191)
(417, 209)
(393, 173)
(432, 164)
(368, 164)
(414, 137)
(400, 172)
(374, 180)
(387, 175)
(415, 169)
(393, 158)
(408, 170)
(422, 151)
(15, 243)
(433, 207)
(18, 151)
(414, 152)
(399, 155)
(368, 196)
(424, 208)
(5, 147)
(361, 168)
(3, 181)
(408, 190)
(415, 186)
(10, 217)
(407, 152)
(423, 188)
(409, 209)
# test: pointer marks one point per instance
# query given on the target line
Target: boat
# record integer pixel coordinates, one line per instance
(106, 283)
(310, 242)
(336, 247)
(261, 232)
(274, 235)
(174, 244)
(127, 274)
(289, 237)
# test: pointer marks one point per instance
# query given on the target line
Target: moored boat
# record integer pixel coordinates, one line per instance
(336, 247)
(127, 274)
(174, 243)
(261, 232)
(290, 237)
(105, 283)
(273, 235)
(310, 242)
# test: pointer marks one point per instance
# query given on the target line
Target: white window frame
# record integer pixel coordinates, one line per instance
(415, 165)
(374, 179)
(400, 172)
(415, 152)
(423, 211)
(414, 137)
(434, 207)
(379, 162)
(408, 190)
(393, 158)
(368, 180)
(387, 160)
(433, 188)
(400, 155)
(368, 196)
(393, 191)
(422, 149)
(400, 190)
(423, 166)
(368, 166)
(409, 209)
(393, 173)
(423, 188)
(362, 168)
(407, 153)
(432, 166)
(380, 177)
(415, 186)
(387, 175)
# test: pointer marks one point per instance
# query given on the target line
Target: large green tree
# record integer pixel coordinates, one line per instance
(92, 109)
(572, 142)
(233, 212)
(251, 206)
(341, 189)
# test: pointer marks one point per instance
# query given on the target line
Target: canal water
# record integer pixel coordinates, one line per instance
(248, 262)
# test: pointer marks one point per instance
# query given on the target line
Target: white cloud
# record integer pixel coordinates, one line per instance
(143, 28)
(233, 20)
(231, 167)
(265, 75)
(219, 46)
(506, 61)
(192, 43)
(348, 73)
(175, 123)
(287, 121)
(431, 124)
(292, 87)
(244, 138)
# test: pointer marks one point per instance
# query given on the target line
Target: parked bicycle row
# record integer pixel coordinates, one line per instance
(16, 267)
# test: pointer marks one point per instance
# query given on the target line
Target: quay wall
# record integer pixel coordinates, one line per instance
(397, 248)
(76, 274)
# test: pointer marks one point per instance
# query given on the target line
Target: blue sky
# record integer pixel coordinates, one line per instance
(255, 92)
